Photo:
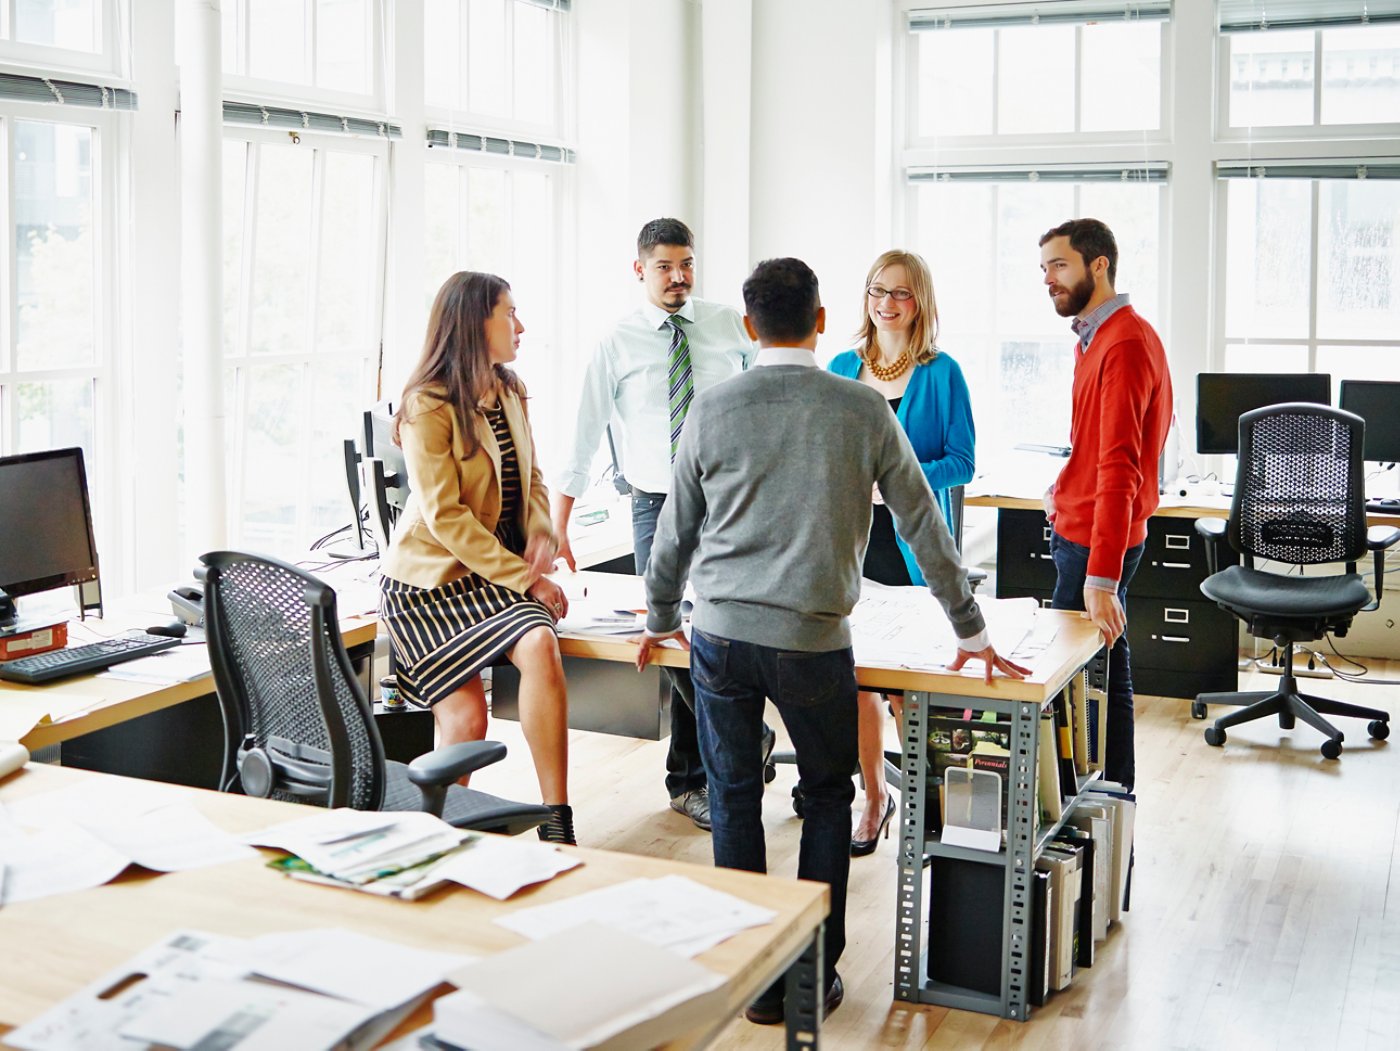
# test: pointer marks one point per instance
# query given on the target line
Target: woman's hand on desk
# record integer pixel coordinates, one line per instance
(647, 643)
(551, 596)
(993, 662)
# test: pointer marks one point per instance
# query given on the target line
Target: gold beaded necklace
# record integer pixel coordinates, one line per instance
(892, 371)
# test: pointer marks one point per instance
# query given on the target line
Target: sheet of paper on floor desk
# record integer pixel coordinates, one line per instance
(606, 988)
(94, 801)
(907, 628)
(351, 966)
(170, 839)
(500, 867)
(674, 912)
(177, 664)
(355, 845)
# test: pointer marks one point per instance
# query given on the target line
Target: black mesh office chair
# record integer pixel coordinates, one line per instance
(297, 725)
(1299, 499)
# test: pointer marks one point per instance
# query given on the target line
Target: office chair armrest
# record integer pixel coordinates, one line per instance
(443, 766)
(1211, 530)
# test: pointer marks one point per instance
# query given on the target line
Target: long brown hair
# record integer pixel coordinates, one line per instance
(455, 353)
(923, 337)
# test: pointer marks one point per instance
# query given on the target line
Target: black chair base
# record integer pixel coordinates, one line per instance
(1288, 705)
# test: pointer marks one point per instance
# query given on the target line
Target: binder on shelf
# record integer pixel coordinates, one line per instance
(1097, 821)
(1064, 887)
(1124, 811)
(1042, 906)
(1069, 783)
(1082, 844)
(1052, 806)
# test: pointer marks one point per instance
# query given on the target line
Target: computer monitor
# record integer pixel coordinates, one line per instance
(1378, 403)
(1223, 397)
(385, 472)
(46, 539)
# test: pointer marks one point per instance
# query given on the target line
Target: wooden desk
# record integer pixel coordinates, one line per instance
(56, 945)
(115, 701)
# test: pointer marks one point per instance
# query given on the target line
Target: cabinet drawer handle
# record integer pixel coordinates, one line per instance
(1176, 616)
(1047, 603)
(1045, 558)
(1175, 565)
(1171, 638)
(1045, 533)
(1178, 543)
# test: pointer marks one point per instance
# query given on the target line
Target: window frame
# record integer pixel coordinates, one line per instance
(240, 87)
(236, 365)
(111, 58)
(1226, 134)
(106, 370)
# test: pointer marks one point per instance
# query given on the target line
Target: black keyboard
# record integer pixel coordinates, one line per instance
(1383, 507)
(76, 660)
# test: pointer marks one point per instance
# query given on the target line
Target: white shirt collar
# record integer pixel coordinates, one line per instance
(656, 317)
(785, 356)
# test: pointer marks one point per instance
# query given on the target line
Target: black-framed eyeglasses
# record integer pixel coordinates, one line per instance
(901, 295)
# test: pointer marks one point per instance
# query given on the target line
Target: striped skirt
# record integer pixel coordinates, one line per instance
(442, 637)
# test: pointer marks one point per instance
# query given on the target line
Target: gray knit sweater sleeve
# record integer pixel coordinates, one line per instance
(918, 520)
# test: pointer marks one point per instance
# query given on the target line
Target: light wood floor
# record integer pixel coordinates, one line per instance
(1265, 906)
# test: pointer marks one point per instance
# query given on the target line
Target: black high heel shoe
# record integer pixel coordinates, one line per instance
(560, 826)
(861, 847)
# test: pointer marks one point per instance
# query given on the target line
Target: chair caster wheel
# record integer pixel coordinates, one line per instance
(770, 773)
(797, 802)
(1198, 709)
(1215, 736)
(1331, 749)
(1379, 730)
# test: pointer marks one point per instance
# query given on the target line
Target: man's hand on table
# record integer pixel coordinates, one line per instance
(647, 643)
(993, 662)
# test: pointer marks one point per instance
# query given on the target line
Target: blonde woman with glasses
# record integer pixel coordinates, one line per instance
(896, 353)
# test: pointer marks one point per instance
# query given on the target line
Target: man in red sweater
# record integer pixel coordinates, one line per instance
(1101, 501)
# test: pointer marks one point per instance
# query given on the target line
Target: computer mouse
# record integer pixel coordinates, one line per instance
(171, 629)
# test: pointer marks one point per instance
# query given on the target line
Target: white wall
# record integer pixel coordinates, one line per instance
(821, 159)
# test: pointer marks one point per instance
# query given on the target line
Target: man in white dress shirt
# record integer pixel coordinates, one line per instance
(644, 373)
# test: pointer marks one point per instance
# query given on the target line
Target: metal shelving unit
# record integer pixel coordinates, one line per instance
(1017, 857)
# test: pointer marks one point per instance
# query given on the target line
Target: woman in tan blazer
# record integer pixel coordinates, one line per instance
(462, 582)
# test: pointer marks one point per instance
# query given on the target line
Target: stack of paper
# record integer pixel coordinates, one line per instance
(406, 855)
(594, 617)
(197, 990)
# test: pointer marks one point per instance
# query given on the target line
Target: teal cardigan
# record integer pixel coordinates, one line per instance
(936, 414)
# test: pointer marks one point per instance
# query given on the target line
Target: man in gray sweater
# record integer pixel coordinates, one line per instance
(769, 516)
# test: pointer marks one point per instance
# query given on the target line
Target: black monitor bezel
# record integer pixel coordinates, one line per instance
(1323, 379)
(57, 580)
(1394, 385)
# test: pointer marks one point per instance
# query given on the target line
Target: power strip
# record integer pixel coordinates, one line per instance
(1300, 669)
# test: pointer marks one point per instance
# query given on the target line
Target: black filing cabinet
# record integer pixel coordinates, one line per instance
(1182, 643)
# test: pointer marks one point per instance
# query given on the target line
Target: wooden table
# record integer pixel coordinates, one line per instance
(54, 946)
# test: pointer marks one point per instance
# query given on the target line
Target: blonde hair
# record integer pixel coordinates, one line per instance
(923, 336)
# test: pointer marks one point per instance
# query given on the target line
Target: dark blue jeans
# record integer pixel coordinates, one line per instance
(815, 693)
(684, 770)
(1071, 567)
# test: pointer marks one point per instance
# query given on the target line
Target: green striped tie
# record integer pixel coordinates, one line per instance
(680, 383)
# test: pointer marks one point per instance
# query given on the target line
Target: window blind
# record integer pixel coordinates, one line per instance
(1243, 15)
(305, 120)
(1309, 169)
(476, 143)
(1151, 171)
(1038, 12)
(50, 91)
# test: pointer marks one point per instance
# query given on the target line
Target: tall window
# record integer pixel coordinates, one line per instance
(498, 174)
(985, 79)
(317, 49)
(1309, 187)
(303, 282)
